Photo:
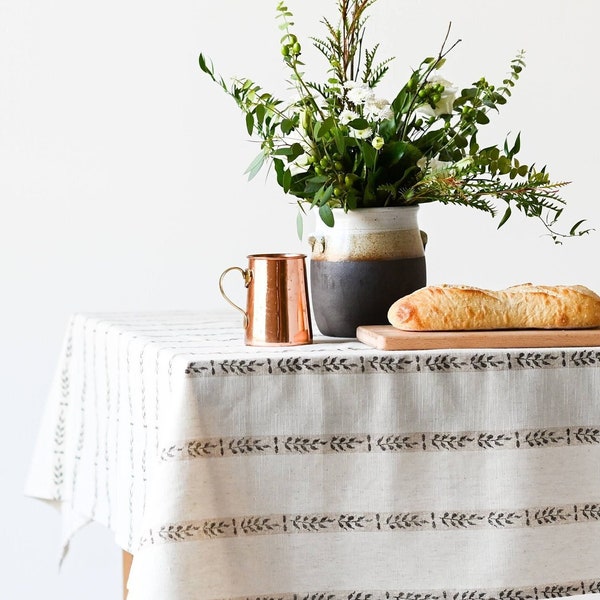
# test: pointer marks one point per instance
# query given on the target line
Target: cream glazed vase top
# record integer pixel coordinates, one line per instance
(362, 265)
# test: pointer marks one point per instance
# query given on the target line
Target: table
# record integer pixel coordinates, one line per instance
(329, 471)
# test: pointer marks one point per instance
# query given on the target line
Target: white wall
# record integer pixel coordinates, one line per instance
(122, 186)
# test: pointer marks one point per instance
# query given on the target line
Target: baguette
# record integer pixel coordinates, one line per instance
(527, 306)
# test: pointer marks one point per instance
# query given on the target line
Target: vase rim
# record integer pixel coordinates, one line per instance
(378, 209)
(373, 219)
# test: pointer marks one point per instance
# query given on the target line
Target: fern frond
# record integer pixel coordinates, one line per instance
(378, 73)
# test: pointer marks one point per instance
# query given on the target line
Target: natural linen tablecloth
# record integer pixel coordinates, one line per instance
(325, 472)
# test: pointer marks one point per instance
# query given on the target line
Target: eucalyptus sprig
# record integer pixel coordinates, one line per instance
(338, 145)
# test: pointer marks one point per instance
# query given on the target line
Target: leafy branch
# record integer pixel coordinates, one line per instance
(340, 146)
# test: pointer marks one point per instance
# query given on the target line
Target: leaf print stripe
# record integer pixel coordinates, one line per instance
(242, 526)
(406, 362)
(58, 471)
(286, 445)
(536, 592)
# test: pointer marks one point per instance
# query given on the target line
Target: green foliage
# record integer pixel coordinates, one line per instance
(340, 146)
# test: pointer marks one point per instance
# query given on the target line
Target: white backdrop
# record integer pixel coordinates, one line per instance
(122, 186)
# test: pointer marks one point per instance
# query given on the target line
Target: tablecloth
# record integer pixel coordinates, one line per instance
(328, 471)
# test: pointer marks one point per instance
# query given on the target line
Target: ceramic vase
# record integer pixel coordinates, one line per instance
(362, 265)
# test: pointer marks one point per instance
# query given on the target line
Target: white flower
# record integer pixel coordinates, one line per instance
(445, 103)
(298, 166)
(301, 164)
(377, 142)
(432, 164)
(358, 93)
(346, 116)
(361, 134)
(378, 109)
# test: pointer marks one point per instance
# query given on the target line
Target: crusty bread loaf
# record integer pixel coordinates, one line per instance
(527, 306)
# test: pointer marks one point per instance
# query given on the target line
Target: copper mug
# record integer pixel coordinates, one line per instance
(277, 306)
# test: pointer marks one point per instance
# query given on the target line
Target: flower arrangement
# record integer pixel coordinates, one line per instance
(339, 145)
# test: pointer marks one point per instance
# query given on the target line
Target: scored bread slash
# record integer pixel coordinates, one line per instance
(526, 306)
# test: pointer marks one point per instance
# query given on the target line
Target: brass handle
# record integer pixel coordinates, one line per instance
(247, 275)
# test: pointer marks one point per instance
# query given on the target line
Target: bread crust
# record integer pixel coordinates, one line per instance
(526, 306)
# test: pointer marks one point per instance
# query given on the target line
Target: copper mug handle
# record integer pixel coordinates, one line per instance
(247, 275)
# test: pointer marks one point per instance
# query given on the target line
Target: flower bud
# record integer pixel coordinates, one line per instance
(377, 142)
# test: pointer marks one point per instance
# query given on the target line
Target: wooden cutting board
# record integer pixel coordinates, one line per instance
(386, 337)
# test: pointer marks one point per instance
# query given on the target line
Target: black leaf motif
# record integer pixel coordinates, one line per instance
(177, 532)
(303, 445)
(258, 525)
(550, 515)
(195, 368)
(344, 443)
(543, 437)
(213, 529)
(587, 435)
(359, 596)
(315, 523)
(405, 521)
(493, 440)
(594, 587)
(240, 367)
(461, 520)
(469, 596)
(333, 364)
(591, 512)
(350, 522)
(556, 591)
(503, 519)
(510, 594)
(389, 364)
(585, 358)
(444, 362)
(450, 441)
(396, 442)
(483, 361)
(246, 446)
(200, 448)
(294, 365)
(536, 359)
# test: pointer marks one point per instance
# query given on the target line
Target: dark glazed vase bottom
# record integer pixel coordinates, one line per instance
(346, 294)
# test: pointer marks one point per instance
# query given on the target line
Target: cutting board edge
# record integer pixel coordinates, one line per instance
(378, 337)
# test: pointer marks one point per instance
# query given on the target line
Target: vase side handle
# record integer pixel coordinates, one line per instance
(315, 243)
(424, 238)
